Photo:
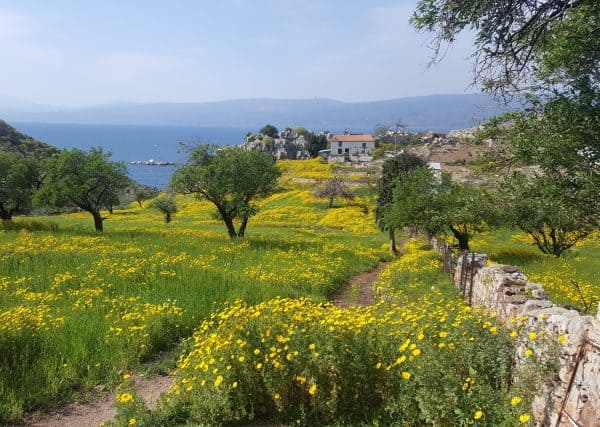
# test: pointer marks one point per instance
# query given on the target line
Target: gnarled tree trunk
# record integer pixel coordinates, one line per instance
(98, 220)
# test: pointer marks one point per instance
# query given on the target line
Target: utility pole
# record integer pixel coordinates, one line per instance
(398, 126)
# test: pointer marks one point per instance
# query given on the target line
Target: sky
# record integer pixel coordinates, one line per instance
(75, 53)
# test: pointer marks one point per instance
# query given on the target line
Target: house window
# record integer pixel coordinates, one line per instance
(339, 143)
(339, 151)
(347, 150)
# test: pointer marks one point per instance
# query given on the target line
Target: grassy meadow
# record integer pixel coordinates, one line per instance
(572, 280)
(77, 307)
(250, 320)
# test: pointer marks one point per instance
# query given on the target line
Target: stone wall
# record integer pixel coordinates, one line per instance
(573, 399)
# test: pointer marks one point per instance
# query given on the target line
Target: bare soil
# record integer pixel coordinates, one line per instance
(359, 291)
(100, 407)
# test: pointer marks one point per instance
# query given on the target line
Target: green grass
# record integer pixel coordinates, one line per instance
(77, 307)
(572, 281)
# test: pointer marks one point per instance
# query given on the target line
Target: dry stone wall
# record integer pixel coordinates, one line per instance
(573, 399)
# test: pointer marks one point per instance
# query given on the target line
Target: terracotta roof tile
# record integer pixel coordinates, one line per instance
(353, 138)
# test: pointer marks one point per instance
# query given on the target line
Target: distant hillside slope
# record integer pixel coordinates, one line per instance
(15, 141)
(430, 112)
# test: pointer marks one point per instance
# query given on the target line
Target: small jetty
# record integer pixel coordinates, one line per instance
(152, 162)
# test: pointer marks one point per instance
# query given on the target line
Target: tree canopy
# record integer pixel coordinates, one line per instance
(269, 130)
(19, 178)
(84, 179)
(165, 203)
(393, 168)
(230, 178)
(425, 203)
(523, 45)
(334, 187)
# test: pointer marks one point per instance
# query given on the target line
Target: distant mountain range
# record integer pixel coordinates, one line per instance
(423, 112)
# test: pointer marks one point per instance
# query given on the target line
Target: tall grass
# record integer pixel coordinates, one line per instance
(77, 308)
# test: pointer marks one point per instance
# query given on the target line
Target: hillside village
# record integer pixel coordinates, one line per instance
(457, 152)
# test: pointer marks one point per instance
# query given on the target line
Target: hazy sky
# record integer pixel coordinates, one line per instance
(87, 52)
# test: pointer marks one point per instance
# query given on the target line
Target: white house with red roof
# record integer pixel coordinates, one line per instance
(351, 144)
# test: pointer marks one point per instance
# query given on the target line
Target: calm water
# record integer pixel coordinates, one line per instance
(131, 142)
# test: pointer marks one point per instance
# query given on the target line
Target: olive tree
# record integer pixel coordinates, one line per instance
(19, 178)
(425, 203)
(165, 204)
(230, 178)
(551, 211)
(87, 180)
(335, 187)
(393, 168)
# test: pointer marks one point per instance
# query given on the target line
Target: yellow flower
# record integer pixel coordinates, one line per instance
(124, 397)
(234, 385)
(406, 375)
(515, 401)
(131, 421)
(524, 418)
(312, 390)
(532, 336)
(312, 346)
(528, 352)
(416, 352)
(219, 380)
(513, 334)
(478, 415)
(276, 396)
(301, 380)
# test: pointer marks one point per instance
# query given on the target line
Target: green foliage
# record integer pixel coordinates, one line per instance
(424, 203)
(165, 204)
(269, 130)
(87, 180)
(142, 193)
(393, 169)
(315, 143)
(549, 212)
(23, 145)
(19, 179)
(535, 46)
(230, 178)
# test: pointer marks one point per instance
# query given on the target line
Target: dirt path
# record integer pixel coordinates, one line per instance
(101, 408)
(359, 291)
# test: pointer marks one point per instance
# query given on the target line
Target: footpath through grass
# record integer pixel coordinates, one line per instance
(77, 308)
(419, 356)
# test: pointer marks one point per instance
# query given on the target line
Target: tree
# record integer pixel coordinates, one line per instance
(335, 187)
(165, 204)
(315, 143)
(142, 193)
(87, 180)
(555, 216)
(392, 169)
(269, 130)
(523, 45)
(230, 178)
(19, 179)
(425, 203)
(550, 51)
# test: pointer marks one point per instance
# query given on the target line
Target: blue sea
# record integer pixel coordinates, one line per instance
(131, 142)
